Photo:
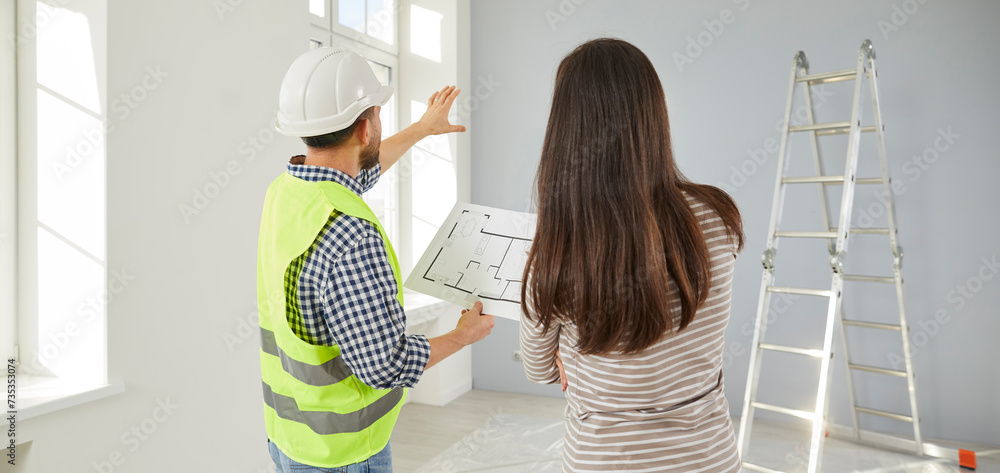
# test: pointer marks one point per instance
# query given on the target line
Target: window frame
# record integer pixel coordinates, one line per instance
(8, 184)
(40, 391)
(329, 37)
(411, 82)
(331, 23)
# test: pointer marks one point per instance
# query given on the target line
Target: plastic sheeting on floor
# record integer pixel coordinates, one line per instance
(505, 444)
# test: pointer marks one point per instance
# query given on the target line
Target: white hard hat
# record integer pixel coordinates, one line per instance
(325, 90)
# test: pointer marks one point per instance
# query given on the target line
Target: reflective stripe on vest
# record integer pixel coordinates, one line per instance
(327, 423)
(315, 410)
(331, 372)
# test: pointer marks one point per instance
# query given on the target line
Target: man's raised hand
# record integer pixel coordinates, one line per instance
(435, 119)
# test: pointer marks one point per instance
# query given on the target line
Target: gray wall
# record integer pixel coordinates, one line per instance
(938, 65)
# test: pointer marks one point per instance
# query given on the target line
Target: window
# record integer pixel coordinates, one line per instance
(375, 19)
(60, 237)
(366, 22)
(402, 40)
(383, 198)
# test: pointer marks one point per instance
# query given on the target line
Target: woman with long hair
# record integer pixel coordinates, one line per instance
(628, 282)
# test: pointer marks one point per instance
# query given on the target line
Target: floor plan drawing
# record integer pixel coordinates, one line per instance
(478, 254)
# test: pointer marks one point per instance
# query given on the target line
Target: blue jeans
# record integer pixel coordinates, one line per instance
(381, 462)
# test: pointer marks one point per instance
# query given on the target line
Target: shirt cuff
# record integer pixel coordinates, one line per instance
(418, 353)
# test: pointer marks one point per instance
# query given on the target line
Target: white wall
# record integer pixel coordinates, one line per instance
(937, 71)
(194, 281)
(183, 334)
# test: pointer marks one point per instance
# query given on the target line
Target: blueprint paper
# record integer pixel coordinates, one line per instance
(478, 254)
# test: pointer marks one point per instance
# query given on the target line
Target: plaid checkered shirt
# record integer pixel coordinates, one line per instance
(347, 293)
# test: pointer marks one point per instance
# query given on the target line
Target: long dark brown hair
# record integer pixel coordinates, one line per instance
(614, 226)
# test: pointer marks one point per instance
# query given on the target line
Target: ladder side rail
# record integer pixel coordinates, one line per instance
(837, 283)
(760, 326)
(851, 396)
(818, 435)
(779, 188)
(818, 163)
(825, 216)
(897, 252)
(767, 279)
(851, 165)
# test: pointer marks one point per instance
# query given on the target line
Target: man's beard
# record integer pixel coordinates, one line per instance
(369, 156)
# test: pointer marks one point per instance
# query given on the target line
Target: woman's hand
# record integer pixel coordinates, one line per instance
(562, 371)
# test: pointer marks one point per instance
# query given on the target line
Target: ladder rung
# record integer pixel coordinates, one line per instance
(875, 369)
(761, 469)
(890, 415)
(858, 323)
(791, 234)
(804, 292)
(813, 179)
(855, 231)
(860, 278)
(840, 131)
(783, 410)
(821, 126)
(870, 231)
(794, 350)
(826, 77)
(828, 180)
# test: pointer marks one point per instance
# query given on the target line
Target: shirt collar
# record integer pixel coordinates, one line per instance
(322, 173)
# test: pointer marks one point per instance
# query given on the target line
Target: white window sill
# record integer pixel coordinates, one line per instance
(38, 396)
(421, 308)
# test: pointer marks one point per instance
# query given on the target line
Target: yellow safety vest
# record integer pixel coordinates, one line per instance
(315, 410)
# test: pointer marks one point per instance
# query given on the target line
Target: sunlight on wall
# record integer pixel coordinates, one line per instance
(425, 33)
(317, 7)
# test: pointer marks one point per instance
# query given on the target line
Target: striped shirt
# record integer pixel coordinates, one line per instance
(663, 409)
(347, 293)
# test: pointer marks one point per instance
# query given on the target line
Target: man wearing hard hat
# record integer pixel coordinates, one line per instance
(335, 360)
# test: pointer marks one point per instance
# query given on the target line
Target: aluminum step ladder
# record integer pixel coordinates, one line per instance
(837, 242)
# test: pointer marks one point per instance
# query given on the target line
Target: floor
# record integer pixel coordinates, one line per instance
(503, 432)
(424, 432)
